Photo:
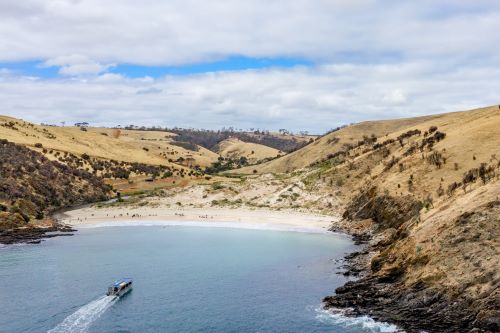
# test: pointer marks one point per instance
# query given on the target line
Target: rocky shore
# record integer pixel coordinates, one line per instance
(34, 235)
(387, 289)
(384, 299)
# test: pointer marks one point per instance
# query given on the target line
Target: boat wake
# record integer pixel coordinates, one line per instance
(365, 323)
(81, 320)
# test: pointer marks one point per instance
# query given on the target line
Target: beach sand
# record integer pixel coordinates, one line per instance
(210, 217)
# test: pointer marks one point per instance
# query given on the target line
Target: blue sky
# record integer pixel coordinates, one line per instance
(231, 63)
(295, 64)
(234, 63)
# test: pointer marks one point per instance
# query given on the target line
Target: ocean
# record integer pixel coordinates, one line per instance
(186, 279)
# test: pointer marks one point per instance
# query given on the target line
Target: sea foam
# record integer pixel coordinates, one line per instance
(81, 320)
(367, 324)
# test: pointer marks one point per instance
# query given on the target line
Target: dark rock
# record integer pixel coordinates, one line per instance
(34, 235)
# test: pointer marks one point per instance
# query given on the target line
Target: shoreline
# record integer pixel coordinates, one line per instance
(253, 219)
(206, 224)
(88, 217)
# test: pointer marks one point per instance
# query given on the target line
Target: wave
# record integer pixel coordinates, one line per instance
(81, 320)
(10, 246)
(367, 324)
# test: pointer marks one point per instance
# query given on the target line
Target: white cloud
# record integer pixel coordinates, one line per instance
(150, 90)
(110, 78)
(183, 31)
(5, 72)
(297, 99)
(396, 97)
(375, 59)
(75, 65)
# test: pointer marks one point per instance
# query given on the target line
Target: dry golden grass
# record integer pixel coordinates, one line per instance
(149, 147)
(235, 148)
(332, 142)
(472, 138)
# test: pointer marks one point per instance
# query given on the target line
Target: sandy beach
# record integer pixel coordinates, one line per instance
(209, 217)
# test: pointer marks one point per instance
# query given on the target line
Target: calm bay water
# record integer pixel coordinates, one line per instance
(186, 279)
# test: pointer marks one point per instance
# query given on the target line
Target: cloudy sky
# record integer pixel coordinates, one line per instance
(296, 64)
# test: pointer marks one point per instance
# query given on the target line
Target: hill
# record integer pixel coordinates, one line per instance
(32, 187)
(333, 142)
(283, 141)
(234, 148)
(144, 156)
(149, 147)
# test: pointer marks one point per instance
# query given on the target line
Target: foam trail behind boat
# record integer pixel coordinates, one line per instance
(81, 320)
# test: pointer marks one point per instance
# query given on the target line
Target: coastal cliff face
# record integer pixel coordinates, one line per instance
(436, 271)
(32, 187)
(426, 200)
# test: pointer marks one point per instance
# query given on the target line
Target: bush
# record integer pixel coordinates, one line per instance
(38, 145)
(436, 159)
(452, 187)
(217, 186)
(186, 145)
(393, 161)
(167, 174)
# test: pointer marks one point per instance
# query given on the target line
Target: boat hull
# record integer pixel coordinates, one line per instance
(120, 293)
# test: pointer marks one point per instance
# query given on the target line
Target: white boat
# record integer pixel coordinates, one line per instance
(120, 287)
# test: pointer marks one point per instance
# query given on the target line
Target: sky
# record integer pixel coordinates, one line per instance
(296, 64)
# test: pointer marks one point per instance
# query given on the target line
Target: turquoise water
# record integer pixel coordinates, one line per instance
(186, 279)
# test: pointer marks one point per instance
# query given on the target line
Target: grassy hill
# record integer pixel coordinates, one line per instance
(185, 153)
(332, 142)
(211, 139)
(148, 147)
(234, 148)
(427, 195)
(32, 186)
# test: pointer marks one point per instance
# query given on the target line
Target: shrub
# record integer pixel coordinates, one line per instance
(410, 183)
(167, 174)
(452, 187)
(393, 161)
(186, 145)
(217, 186)
(440, 190)
(436, 159)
